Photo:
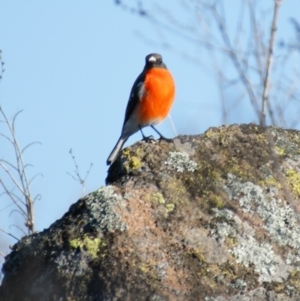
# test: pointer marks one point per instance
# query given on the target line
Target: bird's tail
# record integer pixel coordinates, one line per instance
(113, 155)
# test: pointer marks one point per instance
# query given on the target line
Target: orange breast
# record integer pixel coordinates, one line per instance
(158, 97)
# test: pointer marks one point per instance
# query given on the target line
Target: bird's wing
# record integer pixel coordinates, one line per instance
(135, 96)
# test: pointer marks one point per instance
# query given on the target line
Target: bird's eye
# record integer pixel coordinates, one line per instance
(160, 61)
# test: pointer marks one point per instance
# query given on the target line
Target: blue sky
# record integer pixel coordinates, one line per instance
(70, 65)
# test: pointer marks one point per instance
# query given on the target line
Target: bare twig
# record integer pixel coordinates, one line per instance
(9, 205)
(77, 173)
(257, 40)
(1, 66)
(246, 47)
(234, 58)
(18, 227)
(12, 197)
(265, 95)
(171, 29)
(18, 175)
(9, 234)
(220, 78)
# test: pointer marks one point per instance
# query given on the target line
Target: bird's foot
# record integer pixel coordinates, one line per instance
(165, 139)
(148, 138)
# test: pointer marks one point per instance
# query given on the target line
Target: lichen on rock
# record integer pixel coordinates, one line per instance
(207, 217)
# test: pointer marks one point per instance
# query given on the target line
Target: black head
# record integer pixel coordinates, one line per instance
(154, 60)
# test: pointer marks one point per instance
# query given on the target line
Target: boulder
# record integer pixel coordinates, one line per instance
(211, 217)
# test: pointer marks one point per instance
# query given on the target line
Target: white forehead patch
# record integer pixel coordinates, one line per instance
(152, 59)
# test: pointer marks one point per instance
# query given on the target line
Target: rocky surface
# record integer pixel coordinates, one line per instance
(213, 217)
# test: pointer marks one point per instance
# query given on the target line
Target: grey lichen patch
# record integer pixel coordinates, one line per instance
(285, 143)
(102, 209)
(293, 260)
(225, 213)
(292, 163)
(221, 231)
(246, 249)
(261, 255)
(181, 162)
(279, 220)
(72, 263)
(224, 226)
(238, 284)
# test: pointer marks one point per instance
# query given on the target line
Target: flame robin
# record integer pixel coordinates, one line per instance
(150, 101)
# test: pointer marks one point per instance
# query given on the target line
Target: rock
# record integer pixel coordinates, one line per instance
(213, 217)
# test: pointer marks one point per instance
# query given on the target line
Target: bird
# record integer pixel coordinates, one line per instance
(150, 101)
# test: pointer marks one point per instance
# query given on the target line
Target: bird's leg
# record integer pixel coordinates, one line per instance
(145, 138)
(161, 137)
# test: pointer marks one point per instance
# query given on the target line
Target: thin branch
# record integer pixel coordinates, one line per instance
(20, 168)
(1, 66)
(10, 164)
(17, 211)
(235, 60)
(11, 204)
(37, 197)
(77, 173)
(265, 95)
(257, 40)
(9, 234)
(4, 136)
(16, 197)
(39, 174)
(177, 32)
(13, 178)
(17, 150)
(11, 197)
(30, 144)
(18, 227)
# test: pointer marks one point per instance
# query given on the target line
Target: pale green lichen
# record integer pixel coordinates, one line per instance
(181, 162)
(158, 197)
(270, 181)
(279, 151)
(91, 245)
(293, 178)
(170, 207)
(135, 162)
